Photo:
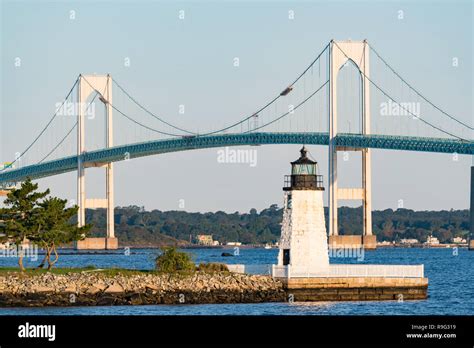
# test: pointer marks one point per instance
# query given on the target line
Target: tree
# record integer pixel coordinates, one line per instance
(443, 235)
(43, 221)
(54, 227)
(19, 224)
(172, 260)
(160, 228)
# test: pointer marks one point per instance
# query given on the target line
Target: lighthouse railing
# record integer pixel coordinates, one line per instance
(280, 271)
(349, 270)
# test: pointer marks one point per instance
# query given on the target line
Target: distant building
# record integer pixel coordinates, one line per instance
(459, 240)
(8, 245)
(432, 240)
(409, 241)
(204, 239)
(233, 243)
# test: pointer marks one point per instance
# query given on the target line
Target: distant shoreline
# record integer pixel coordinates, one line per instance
(231, 247)
(244, 247)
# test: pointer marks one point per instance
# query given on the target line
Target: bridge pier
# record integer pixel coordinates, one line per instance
(98, 243)
(357, 52)
(87, 85)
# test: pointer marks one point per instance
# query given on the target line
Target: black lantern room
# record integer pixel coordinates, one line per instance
(303, 174)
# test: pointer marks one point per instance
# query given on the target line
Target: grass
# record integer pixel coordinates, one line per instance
(106, 271)
(89, 269)
(212, 267)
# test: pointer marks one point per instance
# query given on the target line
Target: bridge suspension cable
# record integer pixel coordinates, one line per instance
(141, 124)
(97, 93)
(288, 112)
(283, 93)
(148, 111)
(69, 132)
(58, 145)
(249, 131)
(46, 127)
(417, 92)
(271, 102)
(401, 106)
(130, 118)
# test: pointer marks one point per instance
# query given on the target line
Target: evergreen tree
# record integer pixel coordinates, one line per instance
(54, 228)
(31, 216)
(19, 225)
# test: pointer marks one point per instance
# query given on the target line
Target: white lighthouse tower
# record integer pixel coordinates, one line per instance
(303, 243)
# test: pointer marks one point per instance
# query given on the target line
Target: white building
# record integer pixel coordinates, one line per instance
(204, 239)
(432, 240)
(409, 241)
(459, 240)
(303, 244)
(303, 257)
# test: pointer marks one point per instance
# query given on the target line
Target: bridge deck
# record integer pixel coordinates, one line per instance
(119, 153)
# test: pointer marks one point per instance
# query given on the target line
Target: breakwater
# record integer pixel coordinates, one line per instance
(96, 288)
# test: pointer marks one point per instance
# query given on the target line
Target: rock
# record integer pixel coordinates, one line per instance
(99, 289)
(39, 288)
(113, 288)
(92, 290)
(227, 254)
(70, 288)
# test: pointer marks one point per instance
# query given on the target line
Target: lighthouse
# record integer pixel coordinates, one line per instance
(303, 243)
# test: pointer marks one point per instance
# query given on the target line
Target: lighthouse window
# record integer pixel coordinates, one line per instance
(289, 201)
(304, 169)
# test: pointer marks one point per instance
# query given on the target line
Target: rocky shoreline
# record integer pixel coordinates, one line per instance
(96, 289)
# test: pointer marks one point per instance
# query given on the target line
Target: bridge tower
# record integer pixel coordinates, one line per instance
(89, 84)
(339, 53)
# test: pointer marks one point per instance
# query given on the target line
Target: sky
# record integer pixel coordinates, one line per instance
(166, 61)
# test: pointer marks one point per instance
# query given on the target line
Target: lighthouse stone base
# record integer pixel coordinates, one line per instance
(354, 282)
(356, 289)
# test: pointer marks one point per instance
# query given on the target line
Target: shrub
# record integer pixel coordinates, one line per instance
(212, 267)
(172, 260)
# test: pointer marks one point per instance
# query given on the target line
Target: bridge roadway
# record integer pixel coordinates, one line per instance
(122, 152)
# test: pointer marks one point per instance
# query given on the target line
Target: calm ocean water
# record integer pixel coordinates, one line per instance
(451, 284)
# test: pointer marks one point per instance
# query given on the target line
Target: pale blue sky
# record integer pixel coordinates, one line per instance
(190, 62)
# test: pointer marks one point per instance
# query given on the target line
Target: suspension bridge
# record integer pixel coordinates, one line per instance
(348, 98)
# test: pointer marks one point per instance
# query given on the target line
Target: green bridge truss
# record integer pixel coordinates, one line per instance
(123, 152)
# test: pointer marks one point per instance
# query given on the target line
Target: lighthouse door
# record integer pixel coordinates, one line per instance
(286, 257)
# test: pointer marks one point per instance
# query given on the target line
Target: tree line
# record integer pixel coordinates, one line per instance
(30, 215)
(136, 226)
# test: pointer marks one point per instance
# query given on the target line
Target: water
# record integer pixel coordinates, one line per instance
(451, 284)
